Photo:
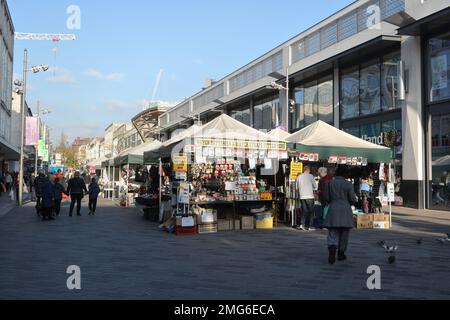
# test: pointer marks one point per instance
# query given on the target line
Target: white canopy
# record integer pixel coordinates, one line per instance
(179, 136)
(140, 149)
(444, 161)
(279, 134)
(225, 127)
(324, 135)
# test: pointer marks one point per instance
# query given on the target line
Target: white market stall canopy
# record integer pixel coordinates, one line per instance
(328, 141)
(279, 134)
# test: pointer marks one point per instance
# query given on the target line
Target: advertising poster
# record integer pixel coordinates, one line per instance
(31, 131)
(296, 170)
(439, 71)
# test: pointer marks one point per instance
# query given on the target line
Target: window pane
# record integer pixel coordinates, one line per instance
(299, 116)
(440, 192)
(325, 101)
(369, 131)
(265, 114)
(310, 103)
(370, 90)
(242, 115)
(350, 94)
(439, 70)
(389, 83)
(353, 131)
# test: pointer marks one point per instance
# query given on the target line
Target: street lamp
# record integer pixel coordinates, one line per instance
(23, 91)
(290, 104)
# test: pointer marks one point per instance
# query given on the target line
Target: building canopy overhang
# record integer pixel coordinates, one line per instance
(8, 152)
(427, 25)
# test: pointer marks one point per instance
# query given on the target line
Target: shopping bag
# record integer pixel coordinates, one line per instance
(12, 195)
(325, 211)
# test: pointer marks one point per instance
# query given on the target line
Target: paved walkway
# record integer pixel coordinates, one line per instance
(122, 256)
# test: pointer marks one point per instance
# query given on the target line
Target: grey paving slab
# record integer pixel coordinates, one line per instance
(122, 256)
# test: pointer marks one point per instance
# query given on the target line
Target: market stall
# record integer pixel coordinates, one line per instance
(322, 145)
(133, 172)
(215, 176)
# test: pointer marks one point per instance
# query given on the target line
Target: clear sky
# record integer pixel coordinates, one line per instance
(108, 73)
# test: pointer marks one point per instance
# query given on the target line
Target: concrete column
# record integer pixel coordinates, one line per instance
(336, 97)
(413, 183)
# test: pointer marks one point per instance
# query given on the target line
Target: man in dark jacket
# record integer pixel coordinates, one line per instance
(339, 195)
(59, 190)
(76, 188)
(94, 191)
(48, 195)
(38, 184)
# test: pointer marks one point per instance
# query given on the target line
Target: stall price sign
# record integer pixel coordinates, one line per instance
(296, 170)
(391, 192)
(180, 163)
(183, 193)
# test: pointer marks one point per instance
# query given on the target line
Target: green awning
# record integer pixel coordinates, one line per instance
(108, 163)
(129, 159)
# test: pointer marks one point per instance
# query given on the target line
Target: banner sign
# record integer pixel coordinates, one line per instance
(240, 144)
(41, 148)
(31, 131)
(180, 163)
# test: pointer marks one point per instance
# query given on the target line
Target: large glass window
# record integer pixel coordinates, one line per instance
(439, 68)
(389, 82)
(350, 93)
(325, 100)
(370, 89)
(314, 101)
(266, 114)
(242, 115)
(440, 193)
(310, 106)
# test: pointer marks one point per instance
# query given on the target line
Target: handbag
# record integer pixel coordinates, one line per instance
(325, 211)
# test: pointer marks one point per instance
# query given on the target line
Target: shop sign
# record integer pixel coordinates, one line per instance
(189, 148)
(387, 139)
(180, 163)
(312, 157)
(350, 161)
(242, 144)
(296, 170)
(92, 170)
(41, 148)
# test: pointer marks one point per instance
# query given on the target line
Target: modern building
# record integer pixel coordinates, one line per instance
(7, 150)
(95, 149)
(126, 137)
(378, 69)
(147, 122)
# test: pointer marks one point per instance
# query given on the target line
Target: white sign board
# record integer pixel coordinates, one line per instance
(391, 192)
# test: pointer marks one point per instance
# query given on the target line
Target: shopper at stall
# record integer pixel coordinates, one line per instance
(324, 179)
(76, 188)
(94, 191)
(306, 185)
(59, 191)
(340, 196)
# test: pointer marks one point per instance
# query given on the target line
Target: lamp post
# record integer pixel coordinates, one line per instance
(23, 84)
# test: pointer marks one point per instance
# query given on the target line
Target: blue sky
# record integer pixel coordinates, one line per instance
(108, 73)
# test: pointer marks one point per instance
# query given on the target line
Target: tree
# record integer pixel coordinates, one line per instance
(68, 154)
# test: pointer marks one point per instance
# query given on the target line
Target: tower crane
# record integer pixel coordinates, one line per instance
(46, 37)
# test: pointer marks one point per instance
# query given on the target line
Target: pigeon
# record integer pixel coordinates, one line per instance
(444, 240)
(420, 241)
(391, 260)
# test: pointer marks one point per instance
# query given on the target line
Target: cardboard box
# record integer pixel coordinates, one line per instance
(207, 228)
(381, 225)
(364, 225)
(207, 218)
(247, 223)
(381, 217)
(359, 218)
(186, 222)
(224, 225)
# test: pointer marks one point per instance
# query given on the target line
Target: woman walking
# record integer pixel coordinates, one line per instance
(94, 191)
(339, 195)
(59, 190)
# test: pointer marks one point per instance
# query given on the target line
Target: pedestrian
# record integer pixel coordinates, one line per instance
(8, 181)
(340, 196)
(324, 179)
(31, 182)
(94, 191)
(76, 188)
(38, 184)
(48, 200)
(306, 185)
(59, 191)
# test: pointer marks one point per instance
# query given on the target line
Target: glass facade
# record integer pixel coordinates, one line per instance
(370, 88)
(267, 114)
(314, 101)
(242, 114)
(438, 68)
(440, 193)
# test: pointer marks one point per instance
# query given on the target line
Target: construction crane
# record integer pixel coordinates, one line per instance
(156, 88)
(46, 37)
